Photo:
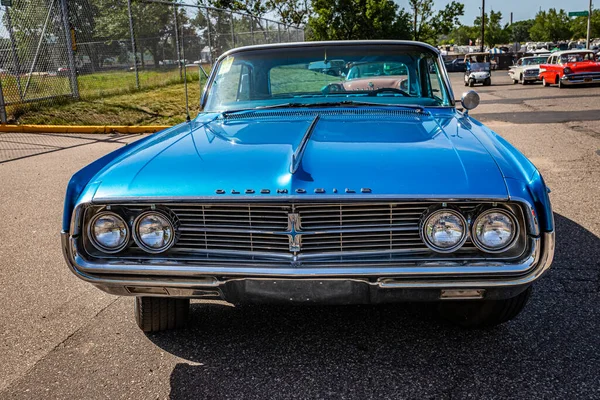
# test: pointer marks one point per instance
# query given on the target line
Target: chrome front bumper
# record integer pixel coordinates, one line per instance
(425, 281)
(583, 78)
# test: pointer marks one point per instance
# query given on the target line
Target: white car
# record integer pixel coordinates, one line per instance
(527, 69)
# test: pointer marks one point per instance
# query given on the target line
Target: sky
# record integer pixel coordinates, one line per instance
(521, 9)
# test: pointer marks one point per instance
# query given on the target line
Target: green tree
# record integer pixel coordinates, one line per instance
(358, 19)
(494, 32)
(519, 31)
(579, 26)
(291, 12)
(464, 35)
(551, 25)
(154, 24)
(427, 26)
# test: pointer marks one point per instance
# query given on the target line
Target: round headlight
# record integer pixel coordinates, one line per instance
(444, 230)
(153, 232)
(494, 230)
(108, 232)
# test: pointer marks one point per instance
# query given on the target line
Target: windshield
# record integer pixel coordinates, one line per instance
(534, 60)
(307, 75)
(476, 67)
(575, 57)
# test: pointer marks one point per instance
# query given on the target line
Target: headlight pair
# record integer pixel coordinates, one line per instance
(446, 230)
(153, 232)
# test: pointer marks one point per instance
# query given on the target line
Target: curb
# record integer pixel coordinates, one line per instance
(81, 128)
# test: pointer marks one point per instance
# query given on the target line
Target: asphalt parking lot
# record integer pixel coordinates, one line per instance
(61, 338)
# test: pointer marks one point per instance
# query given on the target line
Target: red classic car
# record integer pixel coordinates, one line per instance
(573, 67)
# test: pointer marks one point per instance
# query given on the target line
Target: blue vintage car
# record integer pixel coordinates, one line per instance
(283, 190)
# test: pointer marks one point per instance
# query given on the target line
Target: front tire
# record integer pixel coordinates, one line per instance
(483, 313)
(471, 82)
(487, 82)
(155, 314)
(545, 82)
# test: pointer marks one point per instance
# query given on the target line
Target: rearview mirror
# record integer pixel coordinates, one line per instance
(470, 100)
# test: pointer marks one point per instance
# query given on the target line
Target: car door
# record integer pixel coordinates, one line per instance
(547, 70)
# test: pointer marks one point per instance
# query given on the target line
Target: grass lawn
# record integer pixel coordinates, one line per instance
(111, 99)
(118, 82)
(159, 106)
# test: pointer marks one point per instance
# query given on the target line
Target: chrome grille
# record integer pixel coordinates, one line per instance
(321, 228)
(216, 227)
(302, 232)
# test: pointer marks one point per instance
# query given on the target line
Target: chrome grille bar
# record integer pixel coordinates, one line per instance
(302, 232)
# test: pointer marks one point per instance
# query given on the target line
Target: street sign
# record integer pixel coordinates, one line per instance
(7, 3)
(578, 14)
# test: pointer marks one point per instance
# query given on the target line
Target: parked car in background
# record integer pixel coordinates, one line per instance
(527, 69)
(569, 68)
(282, 191)
(456, 65)
(478, 69)
(373, 76)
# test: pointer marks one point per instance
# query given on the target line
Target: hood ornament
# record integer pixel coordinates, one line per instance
(297, 156)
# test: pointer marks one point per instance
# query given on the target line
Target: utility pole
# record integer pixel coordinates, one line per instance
(482, 24)
(415, 22)
(511, 18)
(589, 28)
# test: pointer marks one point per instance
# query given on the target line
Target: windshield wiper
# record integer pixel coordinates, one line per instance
(343, 103)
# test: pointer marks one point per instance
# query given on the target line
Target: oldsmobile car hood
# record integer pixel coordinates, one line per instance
(360, 153)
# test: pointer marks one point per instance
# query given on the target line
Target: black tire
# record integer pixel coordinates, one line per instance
(155, 314)
(487, 82)
(560, 84)
(483, 313)
(471, 83)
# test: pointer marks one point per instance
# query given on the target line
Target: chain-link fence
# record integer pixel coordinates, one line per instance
(116, 55)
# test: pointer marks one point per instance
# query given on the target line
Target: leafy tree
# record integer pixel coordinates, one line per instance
(256, 9)
(154, 24)
(494, 32)
(427, 25)
(551, 25)
(579, 26)
(448, 18)
(519, 31)
(464, 35)
(358, 19)
(291, 12)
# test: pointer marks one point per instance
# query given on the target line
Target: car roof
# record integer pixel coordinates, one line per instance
(335, 43)
(560, 53)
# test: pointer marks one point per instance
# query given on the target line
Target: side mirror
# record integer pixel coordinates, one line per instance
(470, 100)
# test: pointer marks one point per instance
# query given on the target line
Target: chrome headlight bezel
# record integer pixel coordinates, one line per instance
(94, 241)
(515, 232)
(434, 247)
(139, 241)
